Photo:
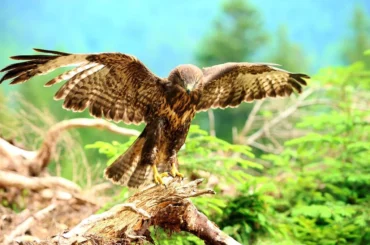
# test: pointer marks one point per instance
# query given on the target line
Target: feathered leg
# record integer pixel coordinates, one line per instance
(174, 163)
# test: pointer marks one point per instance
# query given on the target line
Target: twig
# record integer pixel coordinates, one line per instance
(234, 133)
(265, 148)
(251, 117)
(211, 117)
(24, 226)
(290, 110)
(8, 179)
(276, 143)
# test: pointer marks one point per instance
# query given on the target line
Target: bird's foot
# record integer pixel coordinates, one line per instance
(175, 173)
(157, 176)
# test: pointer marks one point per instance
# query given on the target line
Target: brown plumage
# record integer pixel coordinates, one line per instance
(119, 87)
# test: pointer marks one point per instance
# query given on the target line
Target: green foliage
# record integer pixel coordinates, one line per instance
(244, 217)
(111, 150)
(161, 237)
(324, 195)
(207, 153)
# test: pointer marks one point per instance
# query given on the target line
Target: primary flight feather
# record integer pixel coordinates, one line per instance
(119, 87)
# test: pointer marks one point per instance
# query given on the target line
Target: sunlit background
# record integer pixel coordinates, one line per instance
(306, 36)
(301, 36)
(166, 33)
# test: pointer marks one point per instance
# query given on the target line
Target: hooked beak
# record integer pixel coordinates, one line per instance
(189, 88)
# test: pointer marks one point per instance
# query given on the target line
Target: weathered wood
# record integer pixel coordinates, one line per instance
(164, 206)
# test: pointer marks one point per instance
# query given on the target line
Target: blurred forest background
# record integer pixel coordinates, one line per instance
(287, 171)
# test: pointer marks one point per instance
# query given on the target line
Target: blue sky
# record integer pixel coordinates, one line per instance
(164, 33)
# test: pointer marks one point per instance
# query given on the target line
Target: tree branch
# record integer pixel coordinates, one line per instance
(265, 148)
(250, 120)
(12, 179)
(14, 151)
(211, 118)
(44, 154)
(36, 161)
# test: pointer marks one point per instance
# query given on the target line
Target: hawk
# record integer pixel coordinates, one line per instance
(120, 87)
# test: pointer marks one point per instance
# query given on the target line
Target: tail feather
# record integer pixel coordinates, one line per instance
(140, 176)
(126, 169)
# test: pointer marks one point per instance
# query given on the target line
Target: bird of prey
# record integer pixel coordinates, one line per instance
(120, 87)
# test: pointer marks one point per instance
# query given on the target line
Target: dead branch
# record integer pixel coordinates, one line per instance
(166, 206)
(12, 179)
(211, 118)
(251, 117)
(14, 158)
(265, 148)
(36, 161)
(45, 152)
(14, 151)
(286, 113)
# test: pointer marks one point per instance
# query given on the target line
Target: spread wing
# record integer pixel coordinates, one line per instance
(227, 85)
(114, 85)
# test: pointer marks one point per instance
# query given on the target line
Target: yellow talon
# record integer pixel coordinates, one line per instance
(175, 172)
(157, 176)
(165, 174)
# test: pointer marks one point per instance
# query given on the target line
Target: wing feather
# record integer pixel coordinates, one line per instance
(111, 85)
(229, 84)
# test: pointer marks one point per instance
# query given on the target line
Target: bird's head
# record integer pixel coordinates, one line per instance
(189, 77)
